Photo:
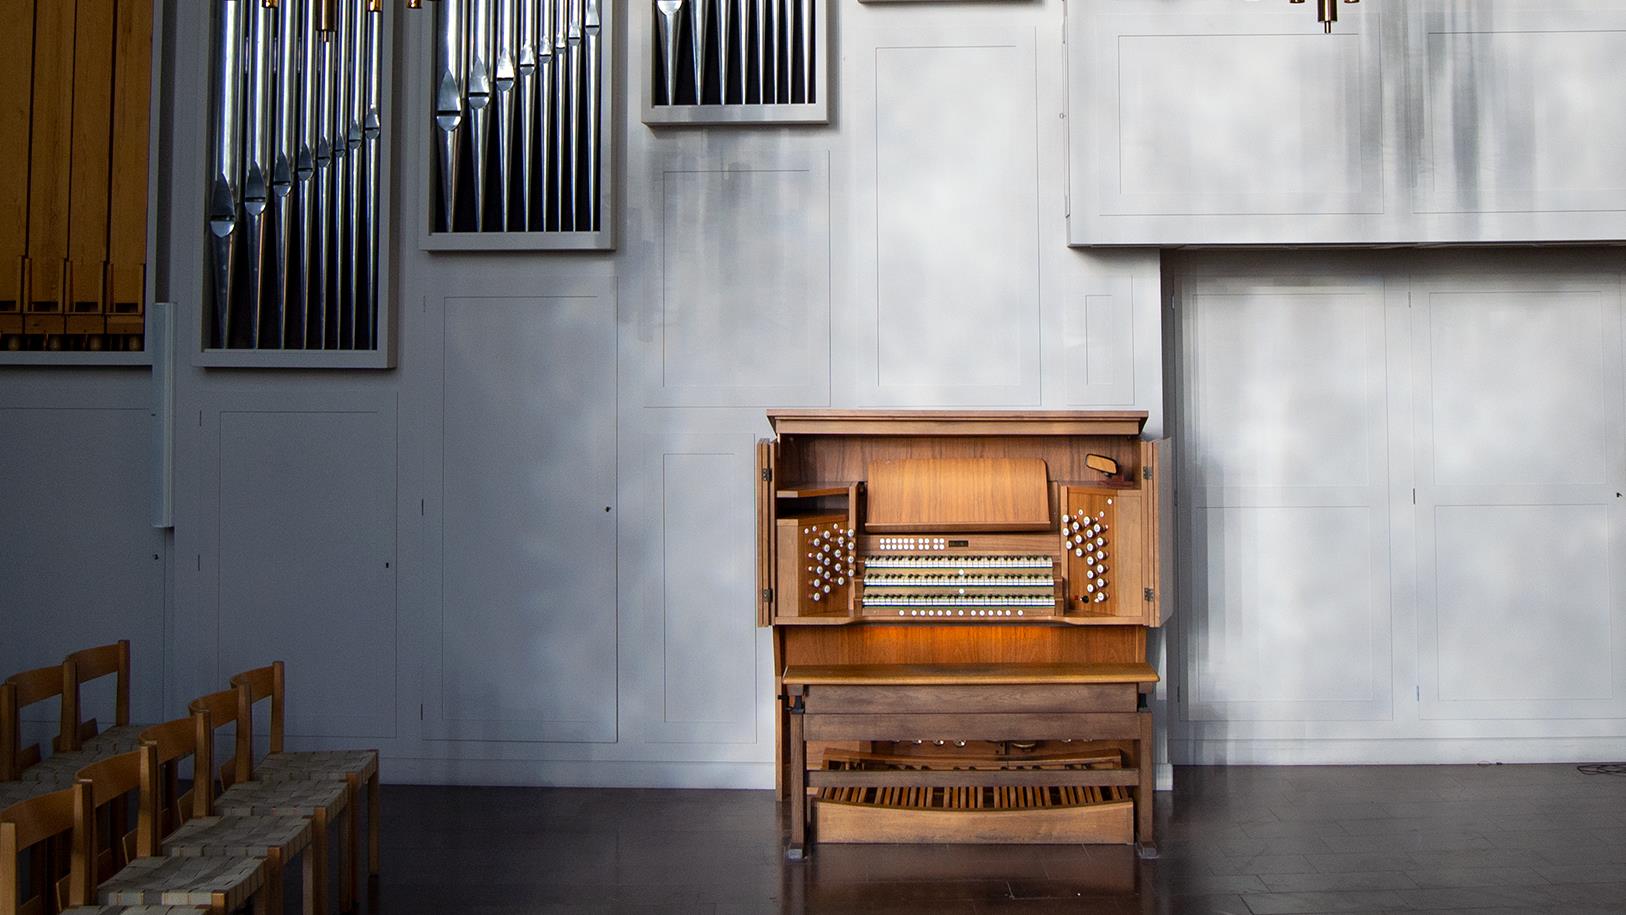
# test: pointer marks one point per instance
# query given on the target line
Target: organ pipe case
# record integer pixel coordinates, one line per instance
(521, 135)
(77, 95)
(736, 62)
(297, 194)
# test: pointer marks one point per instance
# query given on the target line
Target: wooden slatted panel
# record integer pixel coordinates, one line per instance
(127, 230)
(88, 173)
(48, 163)
(16, 100)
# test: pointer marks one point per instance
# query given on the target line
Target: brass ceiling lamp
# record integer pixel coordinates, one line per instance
(1326, 12)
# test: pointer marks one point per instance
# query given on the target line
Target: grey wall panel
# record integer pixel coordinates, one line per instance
(1519, 604)
(527, 616)
(955, 218)
(688, 554)
(80, 565)
(306, 561)
(1100, 344)
(1508, 118)
(1421, 560)
(744, 283)
(1414, 122)
(1282, 511)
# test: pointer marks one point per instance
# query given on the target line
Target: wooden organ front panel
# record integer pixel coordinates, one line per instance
(1014, 556)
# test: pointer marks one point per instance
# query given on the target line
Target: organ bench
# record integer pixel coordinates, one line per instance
(959, 604)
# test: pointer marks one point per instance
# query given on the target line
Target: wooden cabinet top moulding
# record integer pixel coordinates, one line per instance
(957, 422)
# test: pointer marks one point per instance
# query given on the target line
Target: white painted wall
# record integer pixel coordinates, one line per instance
(428, 548)
(1399, 507)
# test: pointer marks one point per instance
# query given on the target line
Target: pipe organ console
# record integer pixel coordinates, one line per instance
(959, 605)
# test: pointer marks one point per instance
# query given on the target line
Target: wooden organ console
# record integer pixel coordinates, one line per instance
(959, 604)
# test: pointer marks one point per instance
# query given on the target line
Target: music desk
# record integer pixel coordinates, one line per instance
(997, 702)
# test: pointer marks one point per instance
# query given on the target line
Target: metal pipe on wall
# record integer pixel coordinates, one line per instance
(525, 64)
(285, 130)
(352, 141)
(372, 127)
(479, 82)
(305, 165)
(257, 180)
(505, 75)
(594, 26)
(342, 164)
(451, 45)
(322, 190)
(225, 188)
(573, 172)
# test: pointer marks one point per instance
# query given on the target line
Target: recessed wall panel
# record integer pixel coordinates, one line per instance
(306, 561)
(956, 225)
(1100, 344)
(1514, 111)
(1283, 379)
(1522, 602)
(1273, 125)
(82, 479)
(1287, 584)
(744, 285)
(1537, 353)
(709, 643)
(527, 625)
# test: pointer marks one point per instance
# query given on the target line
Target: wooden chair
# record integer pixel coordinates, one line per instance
(41, 827)
(322, 802)
(356, 768)
(222, 885)
(189, 827)
(80, 668)
(17, 693)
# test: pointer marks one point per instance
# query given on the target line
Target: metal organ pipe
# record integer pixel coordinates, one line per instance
(534, 70)
(296, 145)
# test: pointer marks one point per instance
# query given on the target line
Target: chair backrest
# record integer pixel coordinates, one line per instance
(225, 708)
(112, 782)
(33, 823)
(80, 668)
(264, 683)
(174, 742)
(17, 693)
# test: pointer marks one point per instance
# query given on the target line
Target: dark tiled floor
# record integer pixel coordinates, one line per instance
(1236, 840)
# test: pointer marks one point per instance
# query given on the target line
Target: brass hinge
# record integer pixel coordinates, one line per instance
(1146, 472)
(767, 595)
(767, 474)
(1150, 594)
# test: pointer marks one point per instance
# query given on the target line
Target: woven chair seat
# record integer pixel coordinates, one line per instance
(239, 837)
(184, 881)
(17, 792)
(336, 765)
(59, 770)
(282, 799)
(115, 740)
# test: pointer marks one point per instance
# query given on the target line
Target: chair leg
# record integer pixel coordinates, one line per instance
(272, 891)
(317, 854)
(315, 889)
(374, 806)
(347, 852)
(262, 900)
